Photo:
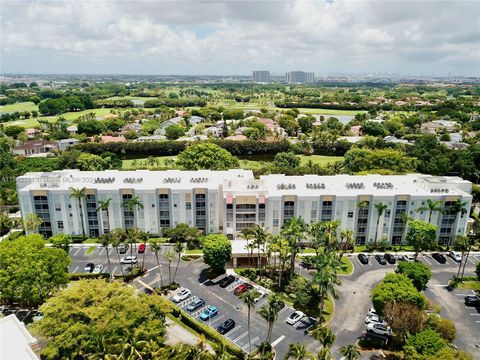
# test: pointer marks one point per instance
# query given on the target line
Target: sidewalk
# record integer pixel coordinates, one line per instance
(177, 334)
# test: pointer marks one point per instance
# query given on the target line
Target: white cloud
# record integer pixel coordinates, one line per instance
(238, 36)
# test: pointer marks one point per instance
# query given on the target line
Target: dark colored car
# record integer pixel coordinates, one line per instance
(381, 260)
(363, 258)
(226, 326)
(240, 289)
(227, 280)
(141, 248)
(89, 267)
(123, 248)
(439, 257)
(148, 291)
(306, 264)
(390, 258)
(472, 300)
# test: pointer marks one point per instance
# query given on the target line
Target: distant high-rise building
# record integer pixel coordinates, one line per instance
(261, 76)
(300, 77)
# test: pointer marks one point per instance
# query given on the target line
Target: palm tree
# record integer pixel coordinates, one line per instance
(80, 195)
(350, 352)
(5, 223)
(106, 240)
(270, 313)
(405, 219)
(249, 300)
(155, 246)
(133, 235)
(432, 206)
(133, 203)
(170, 255)
(32, 222)
(324, 335)
(246, 233)
(458, 208)
(325, 278)
(178, 248)
(283, 256)
(381, 207)
(118, 236)
(473, 237)
(294, 232)
(347, 240)
(298, 352)
(260, 237)
(103, 206)
(325, 354)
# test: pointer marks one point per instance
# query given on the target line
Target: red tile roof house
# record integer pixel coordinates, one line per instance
(35, 148)
(109, 139)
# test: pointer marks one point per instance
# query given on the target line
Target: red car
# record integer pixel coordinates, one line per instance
(240, 289)
(141, 248)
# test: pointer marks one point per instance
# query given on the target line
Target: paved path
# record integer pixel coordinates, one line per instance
(177, 334)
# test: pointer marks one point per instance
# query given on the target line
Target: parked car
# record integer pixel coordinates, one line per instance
(455, 255)
(379, 329)
(209, 312)
(439, 257)
(472, 300)
(123, 248)
(390, 258)
(226, 326)
(306, 264)
(227, 280)
(372, 311)
(89, 267)
(196, 304)
(240, 289)
(129, 260)
(375, 319)
(363, 258)
(295, 317)
(98, 269)
(259, 295)
(141, 248)
(381, 260)
(181, 295)
(408, 258)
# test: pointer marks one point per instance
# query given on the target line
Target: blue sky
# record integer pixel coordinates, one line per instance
(236, 37)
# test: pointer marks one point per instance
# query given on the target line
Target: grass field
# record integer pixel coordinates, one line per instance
(319, 159)
(471, 285)
(21, 106)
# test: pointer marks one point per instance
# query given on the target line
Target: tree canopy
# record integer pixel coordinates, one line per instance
(418, 272)
(208, 156)
(217, 250)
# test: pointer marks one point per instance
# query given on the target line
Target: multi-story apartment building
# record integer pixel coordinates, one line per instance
(228, 201)
(261, 76)
(300, 77)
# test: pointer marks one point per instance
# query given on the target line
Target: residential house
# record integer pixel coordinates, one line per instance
(72, 129)
(64, 144)
(394, 140)
(31, 132)
(236, 137)
(194, 120)
(215, 131)
(150, 138)
(437, 126)
(135, 127)
(109, 139)
(35, 148)
(167, 123)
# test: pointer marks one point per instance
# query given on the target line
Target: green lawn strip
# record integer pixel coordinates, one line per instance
(92, 241)
(90, 250)
(20, 106)
(193, 252)
(347, 266)
(319, 159)
(470, 285)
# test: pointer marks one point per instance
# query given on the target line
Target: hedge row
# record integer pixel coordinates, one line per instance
(168, 148)
(209, 333)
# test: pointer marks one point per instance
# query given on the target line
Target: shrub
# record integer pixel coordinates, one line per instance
(477, 270)
(418, 272)
(426, 342)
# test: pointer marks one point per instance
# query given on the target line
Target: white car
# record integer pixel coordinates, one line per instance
(129, 260)
(375, 319)
(98, 269)
(408, 258)
(372, 311)
(379, 329)
(295, 317)
(181, 295)
(455, 255)
(260, 295)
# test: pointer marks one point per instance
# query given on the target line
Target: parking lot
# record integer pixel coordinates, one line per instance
(26, 316)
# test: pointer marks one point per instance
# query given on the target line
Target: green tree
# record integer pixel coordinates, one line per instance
(432, 206)
(31, 222)
(61, 241)
(294, 231)
(90, 162)
(30, 271)
(183, 233)
(156, 246)
(298, 352)
(460, 209)
(350, 352)
(118, 236)
(396, 288)
(380, 207)
(80, 195)
(106, 241)
(217, 251)
(418, 272)
(421, 235)
(207, 156)
(170, 255)
(357, 160)
(178, 248)
(289, 124)
(305, 123)
(270, 313)
(90, 127)
(6, 224)
(324, 335)
(403, 318)
(286, 160)
(104, 205)
(426, 342)
(174, 131)
(100, 319)
(249, 300)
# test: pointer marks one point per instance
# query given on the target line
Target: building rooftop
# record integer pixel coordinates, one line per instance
(15, 340)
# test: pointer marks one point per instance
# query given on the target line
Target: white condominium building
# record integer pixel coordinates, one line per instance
(228, 201)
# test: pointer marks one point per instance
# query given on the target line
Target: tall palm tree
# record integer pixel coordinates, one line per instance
(432, 206)
(294, 232)
(473, 237)
(298, 352)
(283, 255)
(106, 240)
(270, 313)
(350, 352)
(80, 195)
(104, 206)
(324, 335)
(381, 207)
(260, 237)
(170, 255)
(347, 239)
(316, 231)
(325, 278)
(133, 236)
(118, 236)
(178, 248)
(32, 222)
(249, 300)
(155, 246)
(133, 203)
(246, 233)
(459, 208)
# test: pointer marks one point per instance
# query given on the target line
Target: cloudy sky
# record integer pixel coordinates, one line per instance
(236, 37)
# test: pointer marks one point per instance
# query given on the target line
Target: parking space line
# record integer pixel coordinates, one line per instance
(285, 308)
(240, 337)
(210, 323)
(232, 332)
(114, 269)
(425, 258)
(276, 342)
(76, 252)
(475, 314)
(471, 260)
(76, 268)
(359, 262)
(244, 348)
(102, 250)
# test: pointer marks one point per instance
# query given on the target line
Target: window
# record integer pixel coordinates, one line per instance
(188, 205)
(275, 222)
(60, 224)
(58, 207)
(350, 214)
(388, 213)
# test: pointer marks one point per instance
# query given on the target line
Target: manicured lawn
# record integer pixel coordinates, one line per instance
(319, 159)
(194, 252)
(90, 250)
(20, 106)
(471, 285)
(348, 266)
